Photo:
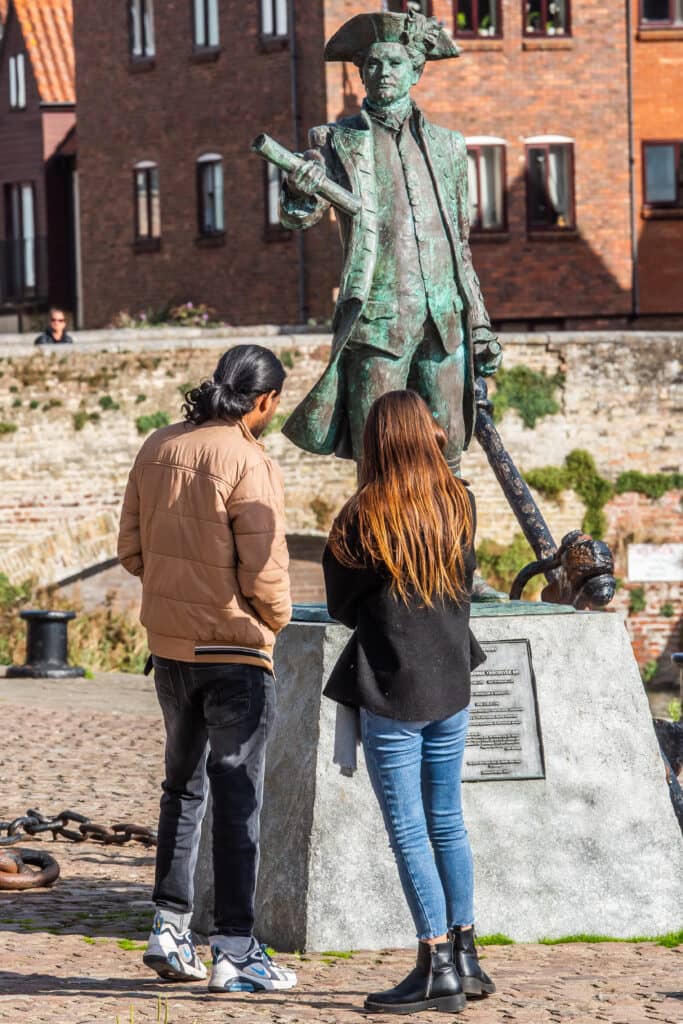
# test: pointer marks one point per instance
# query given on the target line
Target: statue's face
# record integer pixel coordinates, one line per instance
(388, 73)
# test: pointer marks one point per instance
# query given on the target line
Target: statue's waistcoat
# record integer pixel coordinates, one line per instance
(414, 274)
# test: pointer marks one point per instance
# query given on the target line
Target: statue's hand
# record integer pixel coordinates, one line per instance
(487, 351)
(308, 178)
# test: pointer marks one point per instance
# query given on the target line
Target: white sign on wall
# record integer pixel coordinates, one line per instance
(655, 563)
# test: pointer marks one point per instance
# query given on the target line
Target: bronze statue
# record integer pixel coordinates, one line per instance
(410, 311)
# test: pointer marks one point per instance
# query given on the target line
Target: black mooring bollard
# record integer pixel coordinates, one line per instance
(46, 647)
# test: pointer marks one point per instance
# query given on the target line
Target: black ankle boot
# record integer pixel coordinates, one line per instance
(475, 981)
(433, 984)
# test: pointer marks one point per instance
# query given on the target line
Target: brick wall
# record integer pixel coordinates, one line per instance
(178, 109)
(619, 401)
(658, 115)
(172, 113)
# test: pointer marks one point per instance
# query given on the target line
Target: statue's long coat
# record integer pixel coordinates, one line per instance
(319, 424)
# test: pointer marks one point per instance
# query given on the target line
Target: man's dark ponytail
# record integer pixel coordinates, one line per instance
(243, 373)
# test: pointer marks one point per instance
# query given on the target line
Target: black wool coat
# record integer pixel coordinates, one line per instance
(404, 661)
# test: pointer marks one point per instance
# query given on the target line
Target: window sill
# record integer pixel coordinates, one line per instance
(662, 213)
(214, 241)
(147, 245)
(548, 43)
(552, 234)
(479, 43)
(141, 64)
(653, 35)
(271, 44)
(205, 54)
(489, 236)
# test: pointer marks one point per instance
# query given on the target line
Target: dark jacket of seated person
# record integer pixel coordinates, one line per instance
(47, 338)
(404, 661)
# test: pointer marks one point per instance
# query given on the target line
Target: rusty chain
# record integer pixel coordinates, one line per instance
(16, 875)
(33, 823)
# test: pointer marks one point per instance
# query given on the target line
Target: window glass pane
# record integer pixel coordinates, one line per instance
(487, 18)
(199, 23)
(679, 11)
(28, 226)
(538, 202)
(656, 10)
(213, 22)
(559, 186)
(472, 188)
(274, 183)
(464, 16)
(141, 204)
(491, 178)
(557, 17)
(13, 81)
(660, 174)
(281, 17)
(208, 221)
(136, 29)
(267, 23)
(533, 16)
(21, 82)
(155, 203)
(218, 196)
(150, 47)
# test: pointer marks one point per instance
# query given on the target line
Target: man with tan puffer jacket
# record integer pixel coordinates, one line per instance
(203, 527)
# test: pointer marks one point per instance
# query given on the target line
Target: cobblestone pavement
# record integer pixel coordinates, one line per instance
(71, 954)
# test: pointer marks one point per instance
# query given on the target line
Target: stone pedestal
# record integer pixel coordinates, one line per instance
(592, 847)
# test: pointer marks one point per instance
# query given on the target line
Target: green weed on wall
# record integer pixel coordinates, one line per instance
(532, 394)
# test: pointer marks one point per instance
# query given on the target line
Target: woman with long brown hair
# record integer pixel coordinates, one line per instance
(398, 571)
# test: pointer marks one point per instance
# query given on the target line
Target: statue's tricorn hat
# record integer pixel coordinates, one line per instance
(414, 30)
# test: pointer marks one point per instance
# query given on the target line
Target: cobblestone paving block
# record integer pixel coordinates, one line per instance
(72, 954)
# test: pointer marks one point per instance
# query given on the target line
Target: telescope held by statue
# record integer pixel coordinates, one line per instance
(289, 162)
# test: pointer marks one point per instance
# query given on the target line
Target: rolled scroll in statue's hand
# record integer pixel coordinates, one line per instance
(288, 162)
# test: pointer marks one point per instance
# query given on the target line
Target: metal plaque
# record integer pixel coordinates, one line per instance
(504, 739)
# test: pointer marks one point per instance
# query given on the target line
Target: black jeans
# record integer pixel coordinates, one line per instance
(226, 712)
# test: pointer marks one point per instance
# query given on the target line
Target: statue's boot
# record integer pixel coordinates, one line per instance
(483, 591)
(433, 984)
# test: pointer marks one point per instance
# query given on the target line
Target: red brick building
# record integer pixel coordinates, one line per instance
(174, 206)
(657, 44)
(37, 119)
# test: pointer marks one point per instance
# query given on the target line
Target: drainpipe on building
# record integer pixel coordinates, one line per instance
(296, 135)
(635, 284)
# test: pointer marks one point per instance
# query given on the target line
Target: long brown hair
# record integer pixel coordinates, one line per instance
(412, 515)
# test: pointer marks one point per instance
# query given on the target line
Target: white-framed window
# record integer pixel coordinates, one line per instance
(486, 182)
(17, 82)
(205, 21)
(550, 182)
(21, 223)
(274, 18)
(141, 15)
(210, 194)
(147, 200)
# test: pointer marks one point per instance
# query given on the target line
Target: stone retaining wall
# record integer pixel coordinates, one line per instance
(620, 400)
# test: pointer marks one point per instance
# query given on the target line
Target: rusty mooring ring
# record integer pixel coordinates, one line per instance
(15, 874)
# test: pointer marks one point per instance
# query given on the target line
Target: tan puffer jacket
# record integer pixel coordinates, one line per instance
(203, 526)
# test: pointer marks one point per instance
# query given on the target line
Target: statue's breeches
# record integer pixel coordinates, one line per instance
(425, 366)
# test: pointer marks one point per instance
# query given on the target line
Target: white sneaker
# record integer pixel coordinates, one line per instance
(171, 953)
(255, 972)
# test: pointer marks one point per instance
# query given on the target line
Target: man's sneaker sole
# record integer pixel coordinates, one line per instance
(250, 985)
(168, 970)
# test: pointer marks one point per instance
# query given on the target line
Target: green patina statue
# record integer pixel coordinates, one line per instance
(410, 311)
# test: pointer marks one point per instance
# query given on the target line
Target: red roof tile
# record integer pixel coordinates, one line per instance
(47, 27)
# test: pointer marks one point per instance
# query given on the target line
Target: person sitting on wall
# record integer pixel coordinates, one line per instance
(55, 333)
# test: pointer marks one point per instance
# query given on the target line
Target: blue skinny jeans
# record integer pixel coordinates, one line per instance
(415, 769)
